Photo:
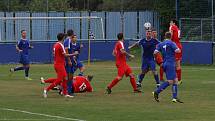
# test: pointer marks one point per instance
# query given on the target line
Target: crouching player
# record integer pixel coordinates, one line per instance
(168, 49)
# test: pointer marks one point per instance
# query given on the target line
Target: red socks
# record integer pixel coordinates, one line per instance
(178, 72)
(113, 83)
(161, 74)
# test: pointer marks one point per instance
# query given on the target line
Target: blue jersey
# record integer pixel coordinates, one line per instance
(148, 47)
(167, 48)
(72, 47)
(24, 45)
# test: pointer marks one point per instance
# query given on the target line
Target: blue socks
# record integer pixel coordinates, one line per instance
(140, 78)
(69, 86)
(19, 68)
(26, 71)
(162, 87)
(157, 79)
(174, 91)
(81, 74)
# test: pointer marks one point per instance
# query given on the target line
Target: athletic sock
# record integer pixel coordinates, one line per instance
(140, 77)
(162, 87)
(113, 83)
(174, 91)
(19, 68)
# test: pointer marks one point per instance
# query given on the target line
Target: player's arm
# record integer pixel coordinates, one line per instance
(177, 50)
(18, 46)
(157, 50)
(136, 44)
(113, 53)
(126, 53)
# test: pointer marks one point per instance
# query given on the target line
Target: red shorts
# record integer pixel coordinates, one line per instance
(123, 70)
(60, 70)
(178, 56)
(158, 58)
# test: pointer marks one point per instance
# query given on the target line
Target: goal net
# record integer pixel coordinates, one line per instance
(46, 28)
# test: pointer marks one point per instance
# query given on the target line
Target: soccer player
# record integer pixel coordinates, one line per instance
(122, 67)
(158, 56)
(80, 84)
(59, 66)
(168, 49)
(176, 38)
(148, 62)
(23, 47)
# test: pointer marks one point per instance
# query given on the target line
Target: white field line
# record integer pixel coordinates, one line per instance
(40, 114)
(10, 119)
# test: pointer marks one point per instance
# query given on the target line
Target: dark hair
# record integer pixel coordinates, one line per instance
(70, 32)
(154, 30)
(90, 77)
(175, 21)
(60, 36)
(120, 36)
(23, 30)
(168, 35)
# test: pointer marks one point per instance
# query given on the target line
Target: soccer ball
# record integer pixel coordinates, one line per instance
(147, 25)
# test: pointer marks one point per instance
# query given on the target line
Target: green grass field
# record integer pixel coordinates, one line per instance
(22, 100)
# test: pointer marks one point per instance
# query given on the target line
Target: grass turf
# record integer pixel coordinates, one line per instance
(197, 91)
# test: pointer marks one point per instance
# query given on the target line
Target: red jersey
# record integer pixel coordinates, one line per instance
(120, 57)
(59, 51)
(81, 84)
(176, 34)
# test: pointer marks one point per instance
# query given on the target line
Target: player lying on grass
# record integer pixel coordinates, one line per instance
(122, 67)
(80, 84)
(23, 47)
(168, 48)
(59, 66)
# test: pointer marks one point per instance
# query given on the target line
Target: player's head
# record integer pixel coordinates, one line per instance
(168, 35)
(173, 22)
(90, 77)
(60, 36)
(120, 36)
(70, 32)
(23, 33)
(74, 38)
(148, 34)
(154, 33)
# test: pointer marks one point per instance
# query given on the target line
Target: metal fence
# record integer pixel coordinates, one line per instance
(197, 29)
(131, 23)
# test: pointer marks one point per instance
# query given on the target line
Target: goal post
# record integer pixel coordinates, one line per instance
(46, 28)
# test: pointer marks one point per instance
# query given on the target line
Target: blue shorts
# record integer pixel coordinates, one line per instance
(148, 65)
(169, 69)
(24, 59)
(74, 67)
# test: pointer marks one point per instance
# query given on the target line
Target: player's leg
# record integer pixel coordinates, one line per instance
(178, 57)
(70, 72)
(81, 68)
(18, 68)
(161, 73)
(129, 73)
(27, 67)
(121, 72)
(145, 69)
(154, 71)
(170, 77)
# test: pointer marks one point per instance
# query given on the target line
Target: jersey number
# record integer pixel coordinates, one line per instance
(82, 87)
(164, 47)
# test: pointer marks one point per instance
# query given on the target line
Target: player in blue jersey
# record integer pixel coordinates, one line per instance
(23, 47)
(72, 63)
(168, 49)
(148, 45)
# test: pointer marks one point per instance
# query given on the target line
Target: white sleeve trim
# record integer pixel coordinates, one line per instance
(122, 44)
(62, 47)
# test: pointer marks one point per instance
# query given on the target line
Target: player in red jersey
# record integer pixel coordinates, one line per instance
(59, 66)
(176, 38)
(122, 67)
(80, 84)
(158, 56)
